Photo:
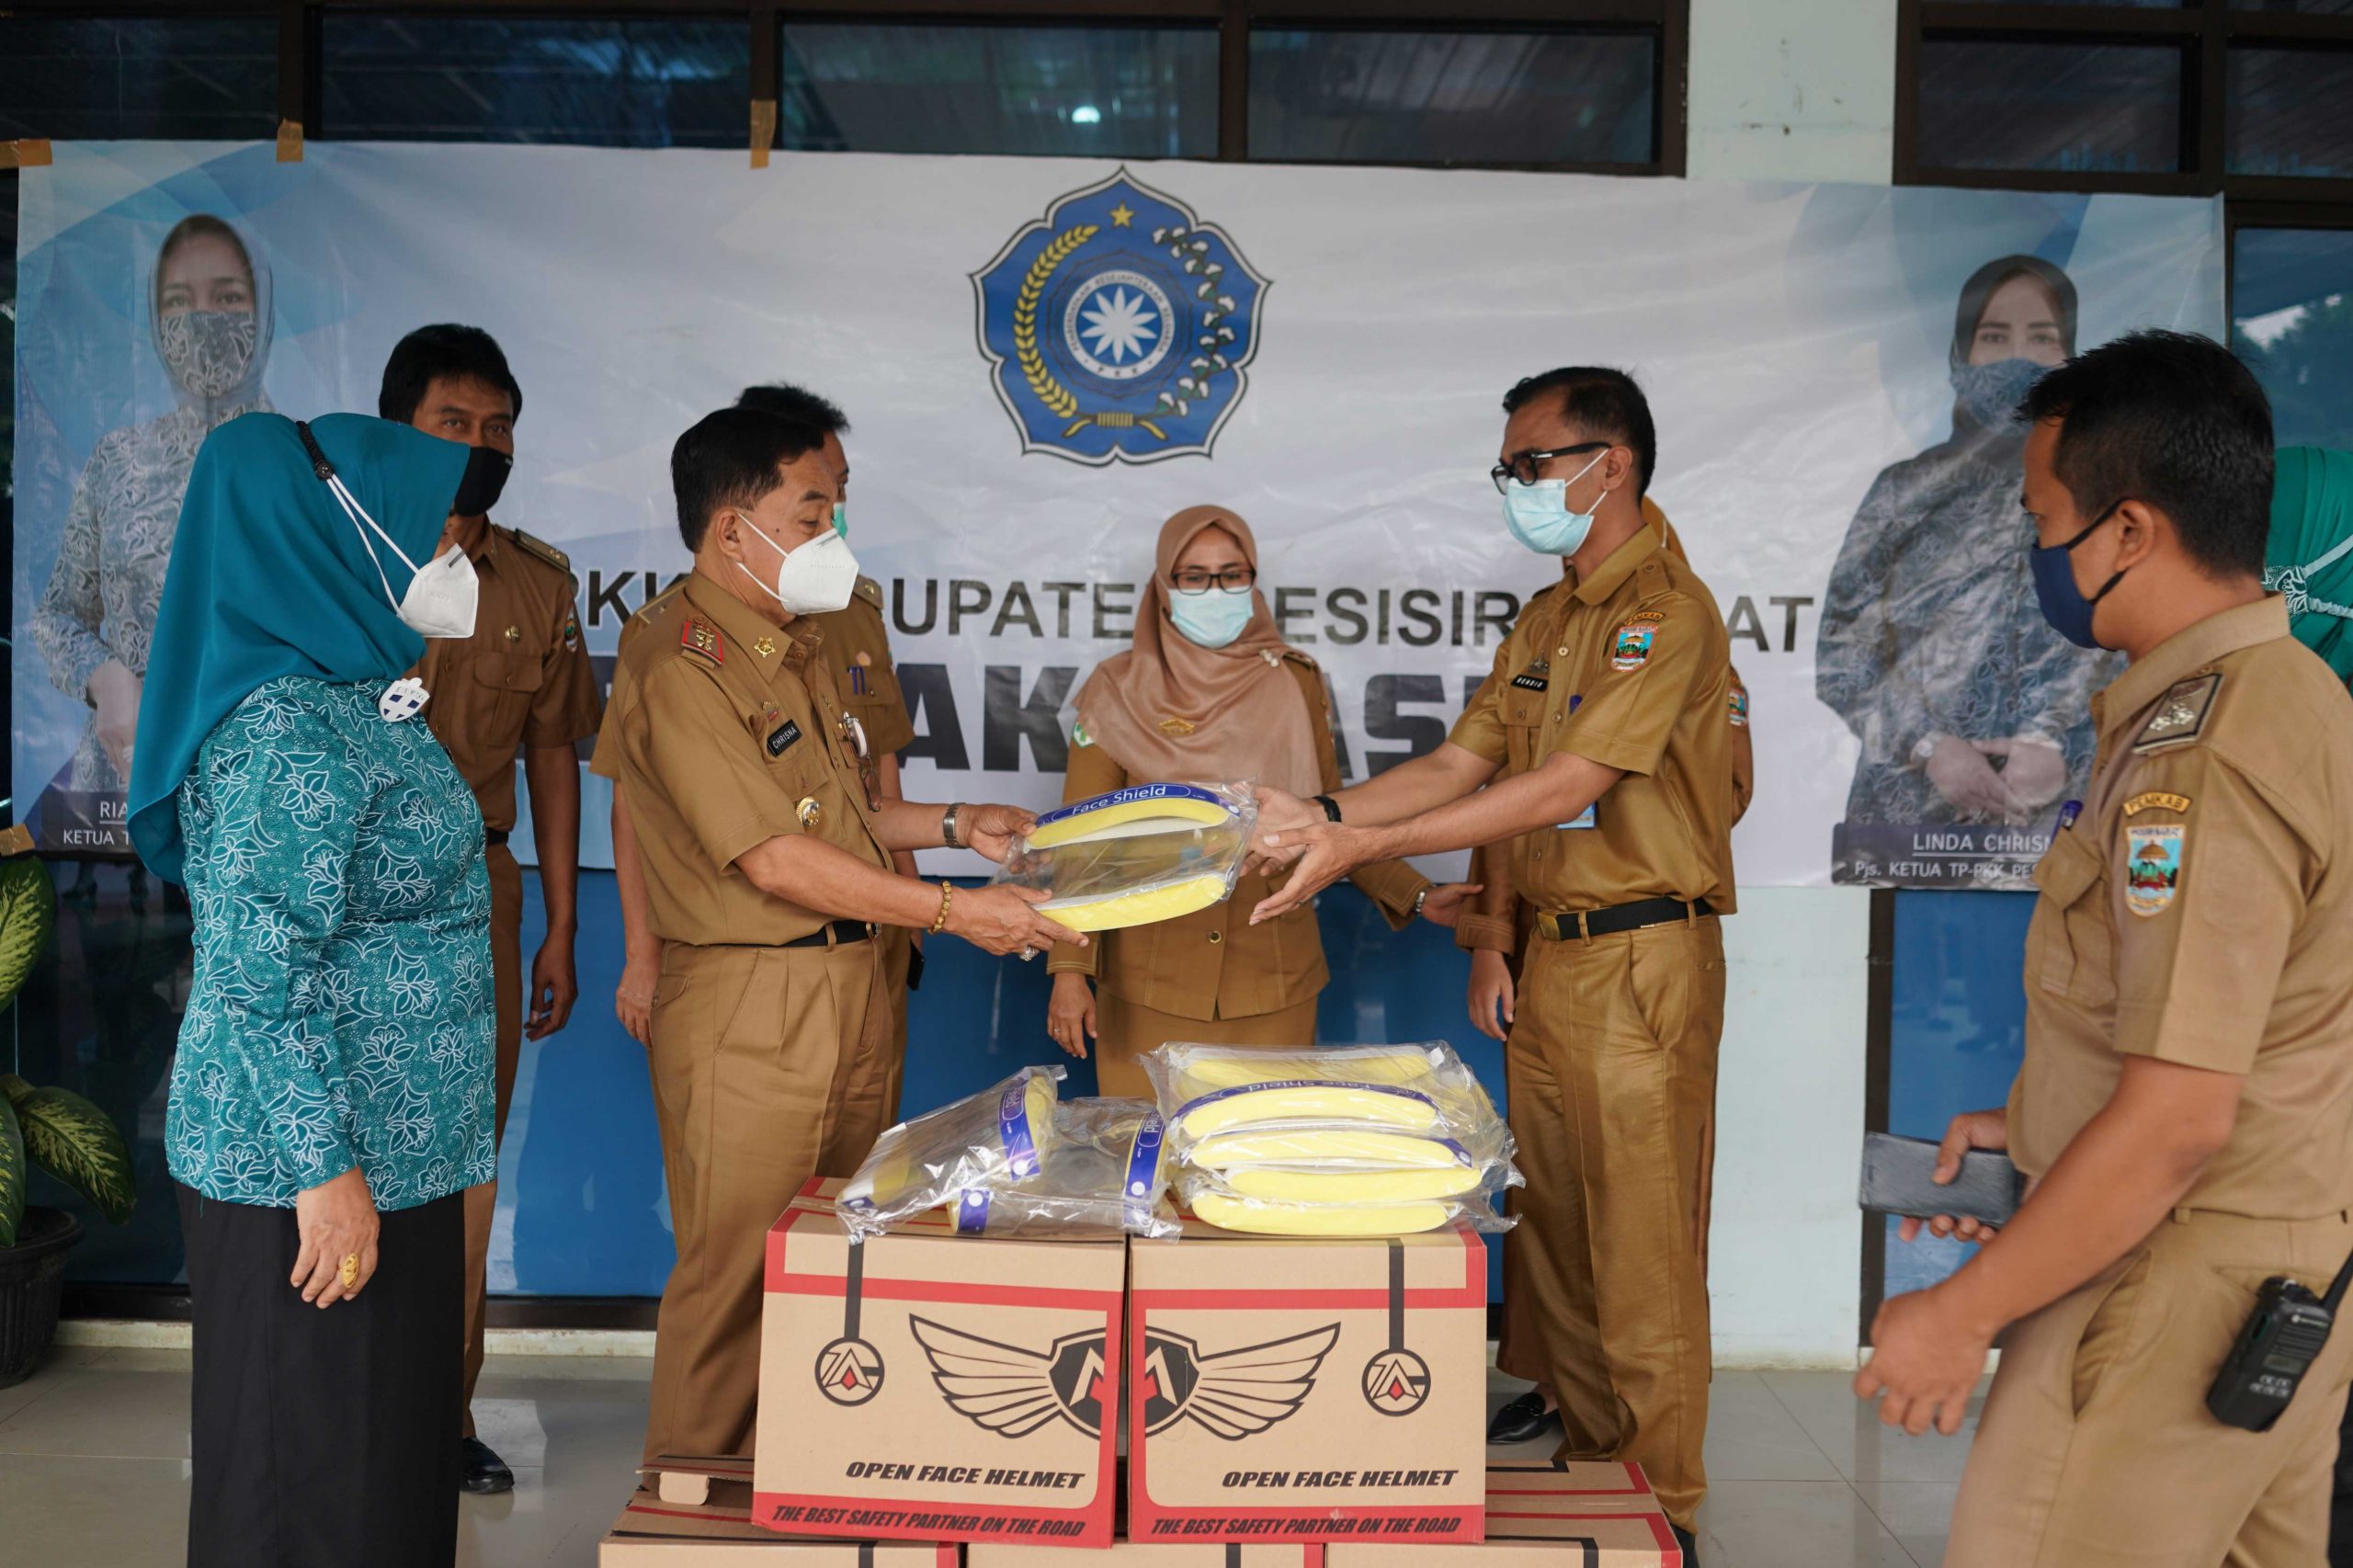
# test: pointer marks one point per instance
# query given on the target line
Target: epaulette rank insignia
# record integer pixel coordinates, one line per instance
(2180, 715)
(871, 591)
(701, 636)
(542, 549)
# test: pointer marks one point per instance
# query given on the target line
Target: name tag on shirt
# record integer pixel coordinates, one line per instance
(782, 736)
(1589, 817)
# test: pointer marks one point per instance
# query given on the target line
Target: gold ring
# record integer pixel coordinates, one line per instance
(351, 1271)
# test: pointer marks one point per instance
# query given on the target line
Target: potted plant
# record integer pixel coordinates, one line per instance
(51, 1129)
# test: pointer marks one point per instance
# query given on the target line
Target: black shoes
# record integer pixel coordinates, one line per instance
(1523, 1420)
(479, 1470)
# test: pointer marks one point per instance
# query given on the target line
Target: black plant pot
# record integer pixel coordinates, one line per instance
(32, 1278)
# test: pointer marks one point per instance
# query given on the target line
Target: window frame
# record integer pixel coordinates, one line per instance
(300, 86)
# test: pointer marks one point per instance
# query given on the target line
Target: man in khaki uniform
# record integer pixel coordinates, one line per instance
(857, 652)
(764, 871)
(521, 683)
(1610, 698)
(1496, 930)
(2186, 1105)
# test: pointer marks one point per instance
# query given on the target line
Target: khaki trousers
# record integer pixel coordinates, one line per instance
(1125, 1031)
(893, 947)
(507, 990)
(1612, 1066)
(767, 1070)
(2096, 1450)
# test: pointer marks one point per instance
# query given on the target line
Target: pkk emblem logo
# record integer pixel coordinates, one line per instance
(1119, 326)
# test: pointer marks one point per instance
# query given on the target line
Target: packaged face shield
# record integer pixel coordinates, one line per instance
(1143, 854)
(1229, 1210)
(1107, 1176)
(1416, 1091)
(1000, 1136)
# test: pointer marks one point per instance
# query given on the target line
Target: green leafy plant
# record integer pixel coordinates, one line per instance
(50, 1129)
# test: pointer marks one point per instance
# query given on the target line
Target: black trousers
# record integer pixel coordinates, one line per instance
(322, 1439)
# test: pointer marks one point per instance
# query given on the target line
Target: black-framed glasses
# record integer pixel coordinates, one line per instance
(1525, 466)
(1233, 580)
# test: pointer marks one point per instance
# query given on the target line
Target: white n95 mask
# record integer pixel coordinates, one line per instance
(443, 594)
(816, 579)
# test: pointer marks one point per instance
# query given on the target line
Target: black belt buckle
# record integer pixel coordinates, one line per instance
(833, 934)
(1571, 926)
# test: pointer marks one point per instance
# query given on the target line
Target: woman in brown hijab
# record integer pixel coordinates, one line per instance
(1208, 691)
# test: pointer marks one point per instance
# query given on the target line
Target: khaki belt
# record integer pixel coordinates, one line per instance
(1575, 925)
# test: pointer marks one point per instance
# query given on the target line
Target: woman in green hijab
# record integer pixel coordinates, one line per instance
(2311, 557)
(331, 1097)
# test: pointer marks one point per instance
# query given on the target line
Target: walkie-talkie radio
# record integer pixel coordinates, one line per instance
(2274, 1351)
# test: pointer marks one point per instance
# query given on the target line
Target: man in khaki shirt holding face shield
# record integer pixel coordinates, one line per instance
(2186, 1105)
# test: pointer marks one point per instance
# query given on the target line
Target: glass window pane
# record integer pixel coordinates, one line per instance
(1474, 97)
(209, 79)
(2291, 318)
(607, 84)
(1069, 92)
(2290, 111)
(2085, 108)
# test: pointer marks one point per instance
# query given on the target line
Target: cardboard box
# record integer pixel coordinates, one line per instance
(1147, 1555)
(658, 1530)
(1569, 1515)
(1306, 1389)
(931, 1386)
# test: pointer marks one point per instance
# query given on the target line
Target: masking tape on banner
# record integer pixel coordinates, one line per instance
(1258, 1216)
(762, 131)
(31, 152)
(1283, 1185)
(290, 140)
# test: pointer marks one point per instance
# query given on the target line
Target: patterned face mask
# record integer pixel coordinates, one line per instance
(1990, 393)
(208, 352)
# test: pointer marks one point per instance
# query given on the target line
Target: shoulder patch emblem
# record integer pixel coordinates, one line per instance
(1650, 615)
(1737, 710)
(1078, 735)
(1174, 727)
(2156, 800)
(2153, 866)
(871, 591)
(1629, 646)
(570, 631)
(542, 549)
(2181, 714)
(701, 636)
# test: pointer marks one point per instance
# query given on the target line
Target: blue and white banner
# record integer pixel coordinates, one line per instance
(1042, 358)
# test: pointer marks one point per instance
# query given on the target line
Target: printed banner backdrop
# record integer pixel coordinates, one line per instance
(1042, 358)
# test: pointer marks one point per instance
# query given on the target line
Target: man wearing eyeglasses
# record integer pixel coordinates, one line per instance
(1605, 713)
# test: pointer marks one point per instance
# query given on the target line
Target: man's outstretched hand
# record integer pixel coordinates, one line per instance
(1319, 854)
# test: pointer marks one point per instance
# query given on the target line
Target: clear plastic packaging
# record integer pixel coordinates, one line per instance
(1212, 1200)
(1208, 1094)
(997, 1137)
(1107, 1176)
(1147, 853)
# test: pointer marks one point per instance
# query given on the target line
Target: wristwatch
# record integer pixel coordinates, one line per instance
(948, 826)
(1925, 747)
(1331, 806)
(1419, 899)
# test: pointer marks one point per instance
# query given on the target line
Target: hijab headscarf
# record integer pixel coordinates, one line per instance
(1169, 708)
(214, 357)
(2310, 557)
(268, 578)
(1985, 395)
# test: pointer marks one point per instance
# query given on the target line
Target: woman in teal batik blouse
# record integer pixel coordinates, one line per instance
(331, 1100)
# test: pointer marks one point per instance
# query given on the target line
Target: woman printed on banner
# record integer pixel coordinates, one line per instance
(331, 1097)
(1208, 692)
(208, 304)
(1968, 708)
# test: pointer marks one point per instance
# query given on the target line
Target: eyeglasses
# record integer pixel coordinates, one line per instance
(1523, 466)
(1235, 580)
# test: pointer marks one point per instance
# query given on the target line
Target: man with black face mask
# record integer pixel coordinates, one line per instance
(2186, 1103)
(521, 683)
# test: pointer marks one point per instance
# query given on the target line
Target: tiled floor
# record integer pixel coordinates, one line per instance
(94, 1467)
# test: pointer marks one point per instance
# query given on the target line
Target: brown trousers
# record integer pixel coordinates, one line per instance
(506, 990)
(893, 946)
(2095, 1448)
(1125, 1031)
(769, 1068)
(1612, 1066)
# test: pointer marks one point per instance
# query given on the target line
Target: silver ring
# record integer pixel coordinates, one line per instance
(1029, 953)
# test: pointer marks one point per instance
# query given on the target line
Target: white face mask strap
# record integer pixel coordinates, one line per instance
(361, 520)
(2330, 559)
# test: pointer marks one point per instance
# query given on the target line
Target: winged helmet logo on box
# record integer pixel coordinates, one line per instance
(1013, 1391)
(1118, 327)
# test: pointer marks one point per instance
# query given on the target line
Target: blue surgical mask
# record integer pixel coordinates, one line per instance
(1213, 619)
(1990, 393)
(2064, 605)
(1538, 515)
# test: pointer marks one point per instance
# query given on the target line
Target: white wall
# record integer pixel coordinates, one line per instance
(1792, 90)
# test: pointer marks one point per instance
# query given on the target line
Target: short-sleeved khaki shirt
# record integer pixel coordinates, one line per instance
(858, 649)
(725, 732)
(1631, 668)
(2200, 911)
(522, 679)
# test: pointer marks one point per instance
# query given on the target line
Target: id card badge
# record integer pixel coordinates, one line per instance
(1587, 817)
